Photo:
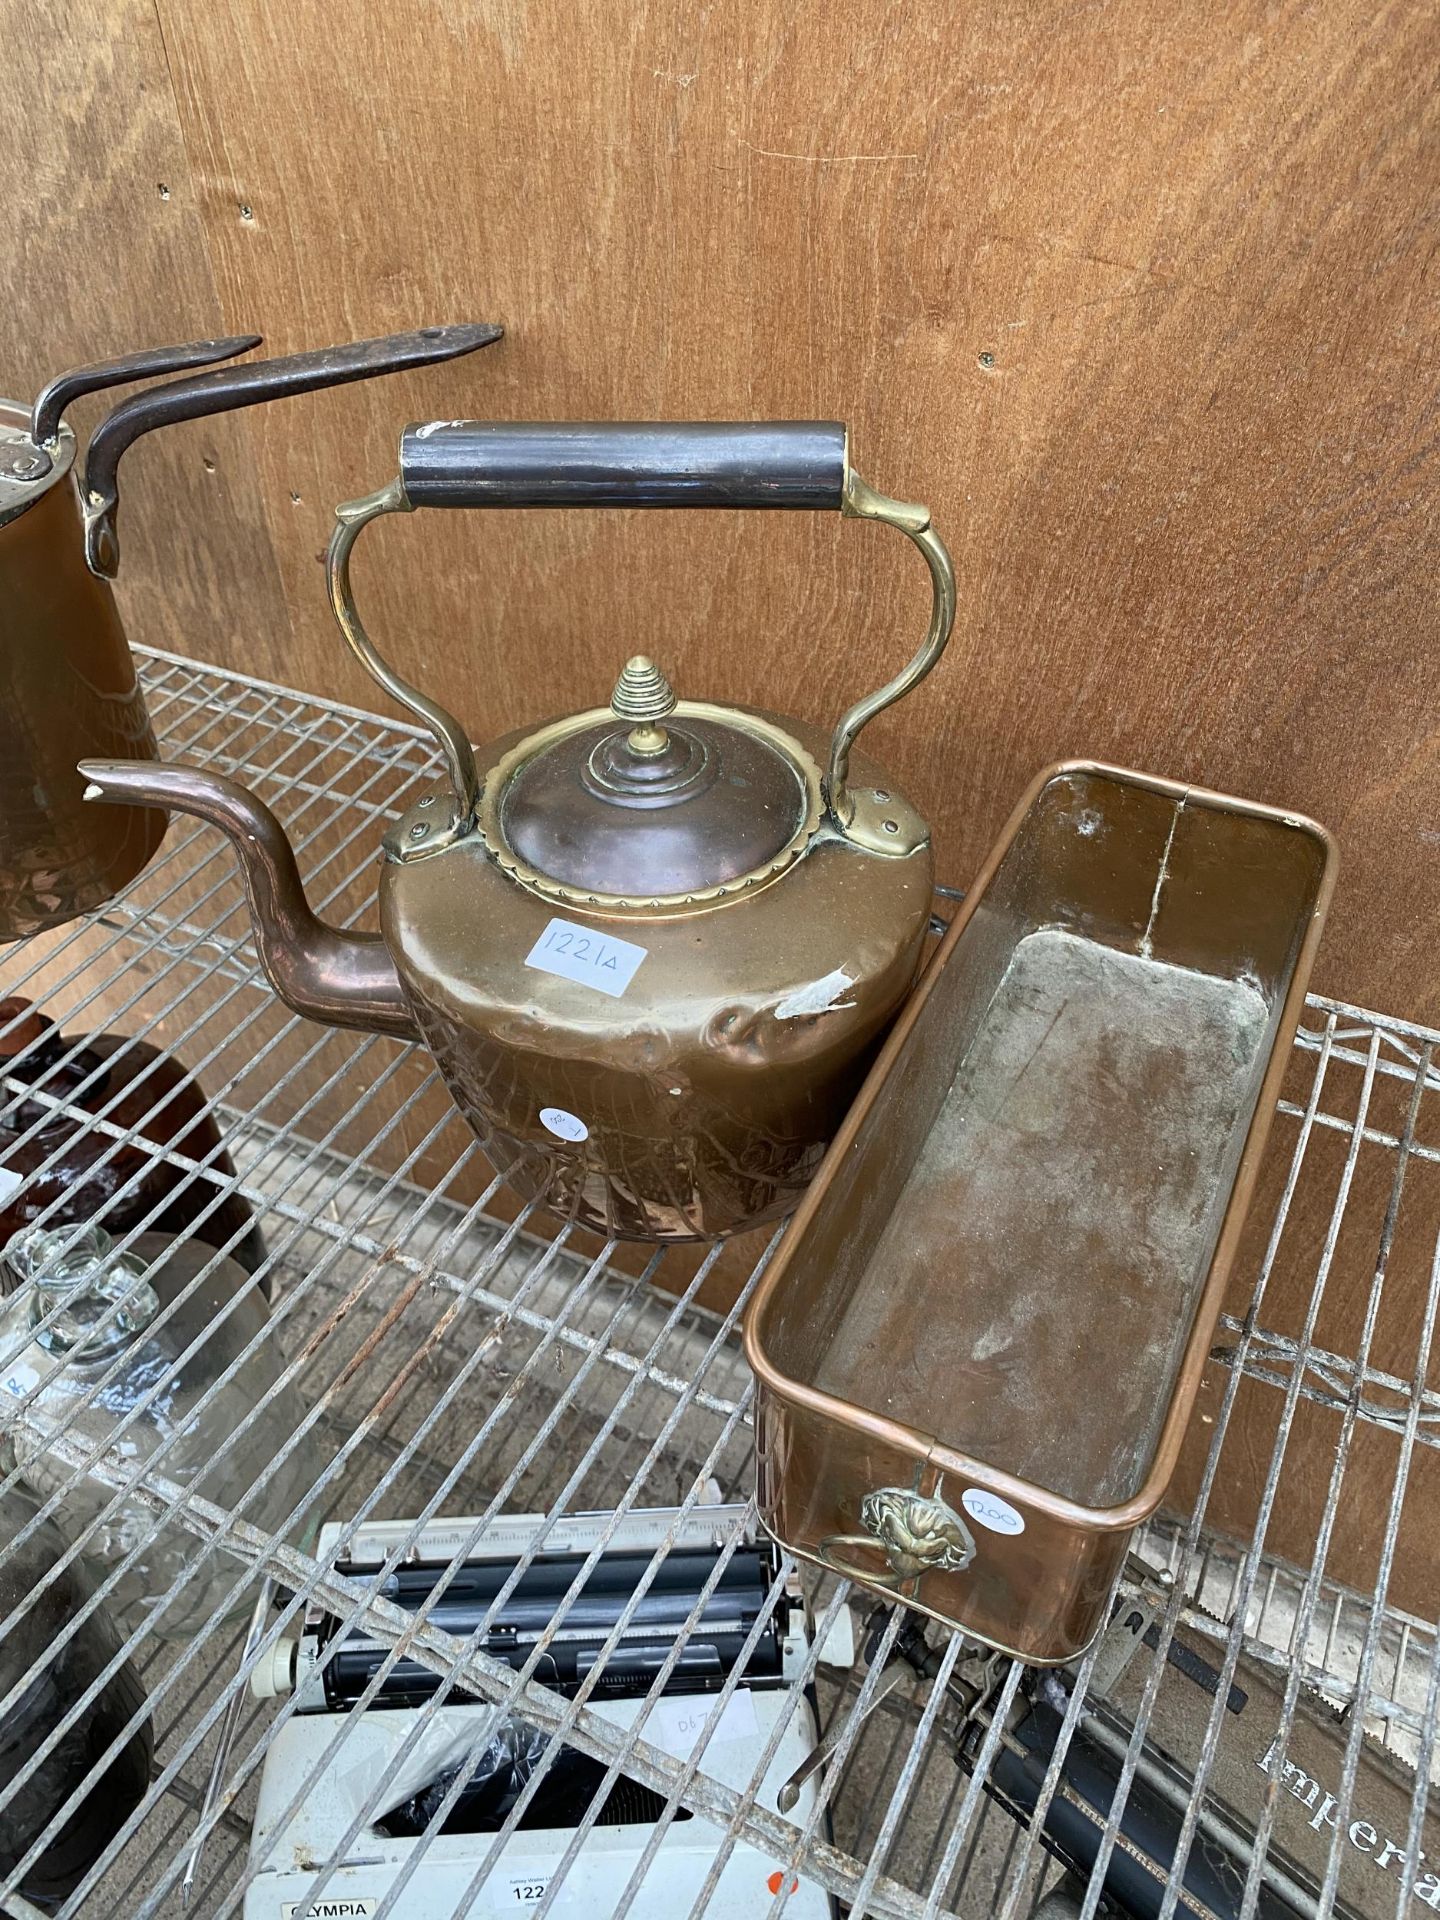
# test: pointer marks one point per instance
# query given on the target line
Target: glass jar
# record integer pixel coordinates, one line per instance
(53, 1687)
(111, 1344)
(85, 1168)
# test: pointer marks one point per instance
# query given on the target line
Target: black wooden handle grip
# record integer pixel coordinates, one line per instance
(641, 463)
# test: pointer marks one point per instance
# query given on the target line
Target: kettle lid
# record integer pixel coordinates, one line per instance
(28, 470)
(654, 802)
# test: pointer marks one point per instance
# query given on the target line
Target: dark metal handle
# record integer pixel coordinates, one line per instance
(66, 388)
(629, 463)
(247, 386)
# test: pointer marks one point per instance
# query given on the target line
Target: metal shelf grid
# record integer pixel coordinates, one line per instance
(454, 1358)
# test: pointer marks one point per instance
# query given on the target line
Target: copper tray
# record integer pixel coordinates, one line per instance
(979, 1343)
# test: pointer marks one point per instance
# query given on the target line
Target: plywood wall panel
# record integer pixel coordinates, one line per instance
(1135, 297)
(101, 252)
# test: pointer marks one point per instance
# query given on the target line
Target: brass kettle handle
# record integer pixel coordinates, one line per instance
(351, 519)
(786, 464)
(862, 502)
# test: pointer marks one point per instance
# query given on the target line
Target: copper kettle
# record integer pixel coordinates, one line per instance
(652, 946)
(67, 681)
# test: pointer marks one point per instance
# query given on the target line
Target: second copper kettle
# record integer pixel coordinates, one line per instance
(68, 686)
(652, 945)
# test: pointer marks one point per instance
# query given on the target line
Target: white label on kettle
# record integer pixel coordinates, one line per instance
(989, 1510)
(10, 1183)
(580, 953)
(564, 1126)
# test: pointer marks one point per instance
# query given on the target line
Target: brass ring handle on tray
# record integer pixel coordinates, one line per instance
(788, 464)
(918, 1534)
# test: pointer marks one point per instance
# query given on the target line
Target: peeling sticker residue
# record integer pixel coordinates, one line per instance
(821, 996)
(437, 426)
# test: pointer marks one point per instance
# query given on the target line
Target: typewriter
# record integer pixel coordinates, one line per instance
(302, 1865)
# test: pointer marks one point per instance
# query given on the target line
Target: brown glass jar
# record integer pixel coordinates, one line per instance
(86, 1170)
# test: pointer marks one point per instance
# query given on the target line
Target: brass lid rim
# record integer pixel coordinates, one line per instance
(492, 832)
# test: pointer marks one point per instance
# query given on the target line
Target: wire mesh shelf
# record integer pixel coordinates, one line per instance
(456, 1356)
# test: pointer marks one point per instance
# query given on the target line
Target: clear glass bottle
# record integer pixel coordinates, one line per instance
(90, 1371)
(53, 1686)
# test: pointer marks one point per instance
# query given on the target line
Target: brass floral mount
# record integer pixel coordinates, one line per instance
(919, 1535)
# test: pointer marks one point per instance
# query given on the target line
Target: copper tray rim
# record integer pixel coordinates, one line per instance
(897, 1433)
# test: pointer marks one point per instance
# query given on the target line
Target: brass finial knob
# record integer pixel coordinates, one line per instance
(643, 695)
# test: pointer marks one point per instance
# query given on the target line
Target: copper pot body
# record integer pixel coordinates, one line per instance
(68, 691)
(700, 1100)
(979, 1344)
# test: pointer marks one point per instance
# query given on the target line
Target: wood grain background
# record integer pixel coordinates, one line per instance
(1139, 298)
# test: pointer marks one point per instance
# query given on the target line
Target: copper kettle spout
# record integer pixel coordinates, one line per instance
(341, 979)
